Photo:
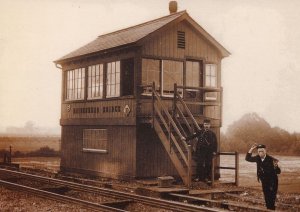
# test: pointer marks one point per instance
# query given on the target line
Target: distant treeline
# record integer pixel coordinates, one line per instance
(251, 128)
(42, 152)
(29, 143)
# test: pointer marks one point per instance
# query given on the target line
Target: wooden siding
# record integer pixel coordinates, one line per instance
(152, 159)
(164, 44)
(106, 108)
(119, 161)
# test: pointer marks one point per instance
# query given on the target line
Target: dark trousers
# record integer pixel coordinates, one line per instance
(270, 187)
(203, 169)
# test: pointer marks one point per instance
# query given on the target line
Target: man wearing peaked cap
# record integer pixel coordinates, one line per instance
(267, 170)
(261, 146)
(204, 150)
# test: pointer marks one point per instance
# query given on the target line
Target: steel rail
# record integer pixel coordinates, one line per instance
(224, 204)
(154, 202)
(58, 197)
(261, 201)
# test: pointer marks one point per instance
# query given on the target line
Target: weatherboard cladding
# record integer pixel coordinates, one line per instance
(133, 34)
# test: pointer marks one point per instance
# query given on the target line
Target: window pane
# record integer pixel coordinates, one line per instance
(213, 71)
(150, 72)
(108, 68)
(118, 78)
(113, 79)
(211, 75)
(118, 90)
(193, 74)
(172, 73)
(213, 81)
(95, 139)
(207, 81)
(75, 84)
(95, 81)
(118, 66)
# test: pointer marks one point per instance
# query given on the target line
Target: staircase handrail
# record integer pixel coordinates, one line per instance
(170, 119)
(190, 115)
(205, 89)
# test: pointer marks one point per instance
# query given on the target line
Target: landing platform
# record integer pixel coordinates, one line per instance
(214, 192)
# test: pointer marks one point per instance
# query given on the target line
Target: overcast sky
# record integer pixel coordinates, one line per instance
(262, 75)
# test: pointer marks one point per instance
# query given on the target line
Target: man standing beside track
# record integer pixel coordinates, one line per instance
(204, 150)
(267, 170)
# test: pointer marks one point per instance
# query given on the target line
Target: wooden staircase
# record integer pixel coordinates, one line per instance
(172, 127)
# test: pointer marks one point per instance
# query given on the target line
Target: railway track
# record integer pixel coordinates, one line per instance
(61, 198)
(123, 196)
(176, 202)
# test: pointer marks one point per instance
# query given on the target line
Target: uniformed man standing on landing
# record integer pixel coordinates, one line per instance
(267, 170)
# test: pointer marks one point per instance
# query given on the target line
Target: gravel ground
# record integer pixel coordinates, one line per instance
(20, 201)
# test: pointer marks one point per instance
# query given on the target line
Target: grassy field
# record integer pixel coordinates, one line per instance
(29, 144)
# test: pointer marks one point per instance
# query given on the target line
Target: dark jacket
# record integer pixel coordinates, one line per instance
(266, 170)
(207, 141)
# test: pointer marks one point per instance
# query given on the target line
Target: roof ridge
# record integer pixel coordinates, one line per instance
(141, 24)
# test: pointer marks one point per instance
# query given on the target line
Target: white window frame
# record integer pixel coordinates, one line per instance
(162, 79)
(75, 84)
(148, 91)
(197, 73)
(209, 76)
(95, 81)
(113, 79)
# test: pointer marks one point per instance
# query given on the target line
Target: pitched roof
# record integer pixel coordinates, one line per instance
(130, 35)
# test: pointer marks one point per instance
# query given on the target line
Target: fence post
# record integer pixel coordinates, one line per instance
(236, 168)
(9, 158)
(213, 171)
(189, 166)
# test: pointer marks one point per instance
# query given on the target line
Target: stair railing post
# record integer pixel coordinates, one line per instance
(153, 109)
(236, 168)
(175, 99)
(169, 134)
(189, 166)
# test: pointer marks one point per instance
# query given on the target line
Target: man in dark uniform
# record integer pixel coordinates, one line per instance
(203, 150)
(267, 170)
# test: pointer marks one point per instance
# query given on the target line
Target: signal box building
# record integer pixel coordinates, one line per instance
(130, 96)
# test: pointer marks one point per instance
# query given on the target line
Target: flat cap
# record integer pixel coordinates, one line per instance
(261, 146)
(206, 121)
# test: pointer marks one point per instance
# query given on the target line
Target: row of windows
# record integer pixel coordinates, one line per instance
(163, 72)
(76, 82)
